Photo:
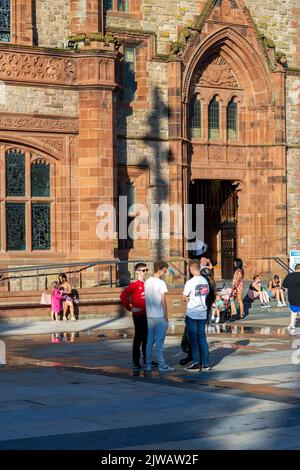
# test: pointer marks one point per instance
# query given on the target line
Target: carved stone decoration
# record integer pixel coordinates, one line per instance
(216, 72)
(70, 71)
(226, 7)
(236, 154)
(199, 153)
(217, 153)
(35, 68)
(54, 142)
(25, 122)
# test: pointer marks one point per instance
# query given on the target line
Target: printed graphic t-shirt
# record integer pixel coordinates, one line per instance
(197, 289)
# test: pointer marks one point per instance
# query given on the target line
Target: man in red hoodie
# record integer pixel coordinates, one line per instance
(137, 305)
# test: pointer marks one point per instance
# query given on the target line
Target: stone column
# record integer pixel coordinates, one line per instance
(22, 27)
(86, 16)
(96, 156)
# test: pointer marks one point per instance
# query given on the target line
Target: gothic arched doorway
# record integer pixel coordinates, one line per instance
(220, 201)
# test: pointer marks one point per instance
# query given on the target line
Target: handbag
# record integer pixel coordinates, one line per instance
(45, 299)
(232, 307)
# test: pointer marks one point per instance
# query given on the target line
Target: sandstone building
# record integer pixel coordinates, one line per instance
(166, 101)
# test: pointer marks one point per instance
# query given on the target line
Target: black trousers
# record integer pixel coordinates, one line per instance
(140, 338)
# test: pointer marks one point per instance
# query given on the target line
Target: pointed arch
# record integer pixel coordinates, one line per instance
(249, 68)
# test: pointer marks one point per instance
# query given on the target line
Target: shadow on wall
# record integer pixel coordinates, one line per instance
(157, 159)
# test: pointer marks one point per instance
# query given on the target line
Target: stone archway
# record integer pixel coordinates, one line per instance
(229, 66)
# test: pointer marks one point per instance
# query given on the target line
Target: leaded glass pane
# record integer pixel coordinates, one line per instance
(232, 120)
(123, 5)
(15, 173)
(213, 120)
(5, 20)
(129, 73)
(108, 5)
(40, 179)
(15, 226)
(40, 226)
(195, 118)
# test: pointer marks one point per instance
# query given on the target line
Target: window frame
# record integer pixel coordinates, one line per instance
(214, 138)
(9, 32)
(115, 6)
(131, 91)
(228, 137)
(27, 199)
(192, 129)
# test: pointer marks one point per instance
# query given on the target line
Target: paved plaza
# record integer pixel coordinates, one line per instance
(71, 387)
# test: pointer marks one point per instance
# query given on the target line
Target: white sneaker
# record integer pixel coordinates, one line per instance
(166, 368)
(263, 306)
(268, 305)
(291, 327)
(279, 304)
(284, 304)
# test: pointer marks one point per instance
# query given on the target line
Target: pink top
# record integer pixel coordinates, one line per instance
(56, 298)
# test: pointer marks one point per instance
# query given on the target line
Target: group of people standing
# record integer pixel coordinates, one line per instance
(146, 299)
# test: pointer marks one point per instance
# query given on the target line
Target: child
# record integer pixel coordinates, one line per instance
(218, 307)
(56, 298)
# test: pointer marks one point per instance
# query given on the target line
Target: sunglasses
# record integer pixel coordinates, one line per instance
(143, 270)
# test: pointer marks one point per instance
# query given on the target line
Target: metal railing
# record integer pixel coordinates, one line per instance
(283, 263)
(106, 273)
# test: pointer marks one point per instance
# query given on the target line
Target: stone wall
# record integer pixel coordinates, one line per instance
(279, 20)
(293, 198)
(53, 101)
(52, 22)
(293, 160)
(162, 17)
(293, 109)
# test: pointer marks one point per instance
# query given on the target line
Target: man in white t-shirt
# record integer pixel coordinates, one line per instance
(157, 316)
(195, 293)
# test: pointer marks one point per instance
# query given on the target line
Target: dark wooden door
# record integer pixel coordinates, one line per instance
(228, 251)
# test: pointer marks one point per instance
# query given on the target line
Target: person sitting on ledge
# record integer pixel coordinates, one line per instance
(255, 291)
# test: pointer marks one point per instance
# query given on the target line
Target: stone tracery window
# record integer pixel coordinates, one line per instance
(4, 20)
(232, 120)
(214, 119)
(27, 202)
(195, 117)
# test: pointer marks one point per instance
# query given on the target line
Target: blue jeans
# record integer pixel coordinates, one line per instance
(197, 337)
(157, 330)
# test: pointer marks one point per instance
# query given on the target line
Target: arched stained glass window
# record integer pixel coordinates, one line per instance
(15, 173)
(232, 120)
(4, 20)
(195, 117)
(214, 120)
(27, 206)
(40, 179)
